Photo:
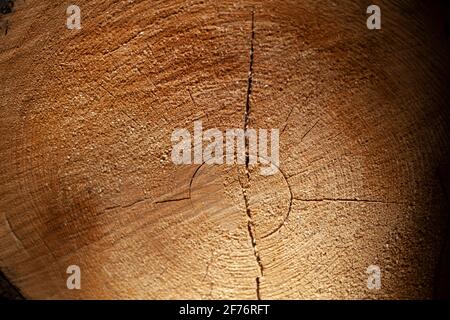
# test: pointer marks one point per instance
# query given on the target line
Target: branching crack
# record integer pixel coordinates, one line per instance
(245, 185)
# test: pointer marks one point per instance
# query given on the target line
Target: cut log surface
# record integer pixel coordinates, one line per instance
(86, 176)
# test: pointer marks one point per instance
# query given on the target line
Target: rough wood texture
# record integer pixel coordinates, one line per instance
(86, 177)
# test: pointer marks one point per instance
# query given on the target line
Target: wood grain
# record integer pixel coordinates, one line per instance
(86, 178)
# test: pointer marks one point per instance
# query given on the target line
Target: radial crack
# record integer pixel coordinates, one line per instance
(172, 200)
(249, 82)
(351, 200)
(245, 185)
(129, 205)
(309, 130)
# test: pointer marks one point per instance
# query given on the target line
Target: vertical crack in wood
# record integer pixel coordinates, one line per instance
(249, 87)
(246, 184)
